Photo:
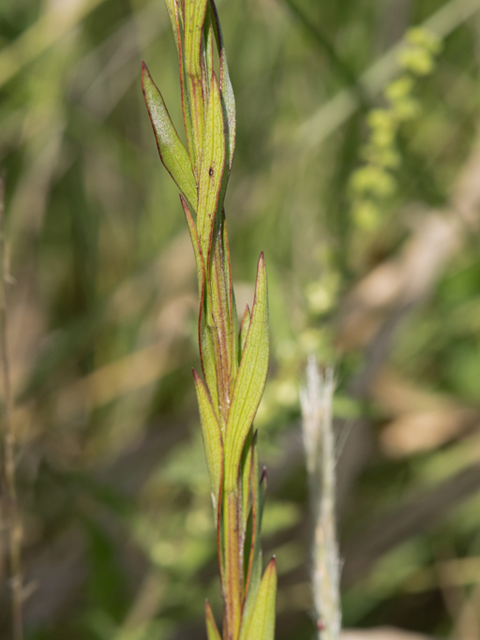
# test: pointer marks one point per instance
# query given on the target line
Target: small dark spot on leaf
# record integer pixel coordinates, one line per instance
(210, 172)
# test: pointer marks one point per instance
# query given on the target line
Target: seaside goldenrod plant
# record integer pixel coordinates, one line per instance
(234, 355)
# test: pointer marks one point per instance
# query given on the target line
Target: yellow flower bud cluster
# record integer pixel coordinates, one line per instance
(375, 180)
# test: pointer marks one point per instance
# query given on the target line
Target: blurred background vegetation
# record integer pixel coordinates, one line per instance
(369, 220)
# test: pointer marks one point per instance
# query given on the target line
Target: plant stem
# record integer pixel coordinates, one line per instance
(233, 561)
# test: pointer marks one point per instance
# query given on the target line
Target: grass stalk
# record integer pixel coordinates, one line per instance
(11, 510)
(319, 443)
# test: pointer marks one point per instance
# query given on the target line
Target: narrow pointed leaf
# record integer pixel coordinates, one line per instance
(250, 381)
(212, 437)
(261, 625)
(176, 17)
(254, 570)
(172, 13)
(172, 152)
(194, 15)
(197, 250)
(226, 89)
(244, 327)
(246, 481)
(218, 294)
(232, 308)
(212, 629)
(207, 61)
(211, 168)
(207, 356)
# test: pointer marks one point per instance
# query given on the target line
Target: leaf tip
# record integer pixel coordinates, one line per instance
(271, 568)
(263, 477)
(145, 75)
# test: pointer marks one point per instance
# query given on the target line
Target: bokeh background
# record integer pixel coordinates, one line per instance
(379, 276)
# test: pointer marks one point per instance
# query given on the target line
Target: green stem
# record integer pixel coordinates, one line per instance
(233, 564)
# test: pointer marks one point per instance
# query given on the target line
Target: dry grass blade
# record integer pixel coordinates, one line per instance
(12, 512)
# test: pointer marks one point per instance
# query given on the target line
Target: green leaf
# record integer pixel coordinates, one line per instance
(254, 553)
(226, 88)
(244, 327)
(218, 317)
(250, 380)
(172, 9)
(261, 625)
(211, 170)
(172, 152)
(197, 249)
(208, 37)
(212, 437)
(212, 630)
(232, 307)
(247, 457)
(194, 14)
(207, 355)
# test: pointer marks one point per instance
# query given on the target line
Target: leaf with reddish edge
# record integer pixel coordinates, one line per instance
(170, 148)
(219, 308)
(172, 8)
(176, 18)
(261, 624)
(207, 58)
(194, 16)
(226, 89)
(250, 380)
(244, 326)
(207, 355)
(254, 571)
(211, 170)
(232, 307)
(246, 471)
(212, 629)
(197, 249)
(212, 438)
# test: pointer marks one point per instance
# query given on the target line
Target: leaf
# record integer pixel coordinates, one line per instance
(212, 437)
(254, 569)
(250, 380)
(212, 629)
(172, 9)
(246, 465)
(232, 308)
(197, 250)
(218, 317)
(207, 355)
(226, 89)
(176, 18)
(244, 326)
(211, 170)
(194, 15)
(261, 625)
(207, 61)
(172, 152)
